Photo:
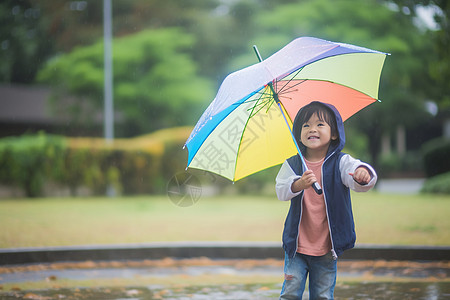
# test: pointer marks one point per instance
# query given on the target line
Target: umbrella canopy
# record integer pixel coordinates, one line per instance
(242, 131)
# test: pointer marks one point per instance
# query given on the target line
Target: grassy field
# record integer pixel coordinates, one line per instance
(380, 219)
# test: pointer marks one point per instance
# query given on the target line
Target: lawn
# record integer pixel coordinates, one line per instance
(380, 219)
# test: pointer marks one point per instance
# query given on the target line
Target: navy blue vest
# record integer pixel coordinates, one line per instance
(338, 202)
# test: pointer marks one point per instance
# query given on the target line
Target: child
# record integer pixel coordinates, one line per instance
(318, 228)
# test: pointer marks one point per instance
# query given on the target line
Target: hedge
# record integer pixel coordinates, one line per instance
(435, 156)
(29, 160)
(130, 166)
(439, 184)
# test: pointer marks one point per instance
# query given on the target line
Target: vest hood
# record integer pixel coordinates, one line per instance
(334, 146)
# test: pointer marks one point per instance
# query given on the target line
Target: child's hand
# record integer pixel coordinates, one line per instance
(361, 176)
(304, 182)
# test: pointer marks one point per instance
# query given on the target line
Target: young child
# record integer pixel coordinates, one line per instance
(318, 228)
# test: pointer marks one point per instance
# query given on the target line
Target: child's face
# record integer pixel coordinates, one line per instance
(316, 134)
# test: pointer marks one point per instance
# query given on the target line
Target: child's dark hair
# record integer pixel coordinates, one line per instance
(324, 113)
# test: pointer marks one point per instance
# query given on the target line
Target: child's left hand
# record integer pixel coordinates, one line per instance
(361, 176)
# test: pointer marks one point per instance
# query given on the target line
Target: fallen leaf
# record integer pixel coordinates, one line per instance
(132, 293)
(31, 296)
(35, 297)
(51, 278)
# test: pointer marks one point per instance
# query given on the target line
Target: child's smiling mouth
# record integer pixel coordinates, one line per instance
(313, 137)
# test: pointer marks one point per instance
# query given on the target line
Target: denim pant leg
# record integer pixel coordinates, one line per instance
(322, 277)
(295, 274)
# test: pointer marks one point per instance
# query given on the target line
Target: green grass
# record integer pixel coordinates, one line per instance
(380, 219)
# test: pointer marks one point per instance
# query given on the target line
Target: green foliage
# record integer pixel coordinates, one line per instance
(439, 184)
(156, 72)
(132, 171)
(29, 160)
(439, 66)
(125, 171)
(24, 44)
(155, 81)
(259, 182)
(356, 144)
(394, 164)
(389, 163)
(435, 156)
(173, 160)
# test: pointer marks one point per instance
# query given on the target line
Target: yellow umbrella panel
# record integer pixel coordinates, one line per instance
(251, 138)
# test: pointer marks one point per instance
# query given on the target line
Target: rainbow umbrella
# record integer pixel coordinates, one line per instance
(248, 126)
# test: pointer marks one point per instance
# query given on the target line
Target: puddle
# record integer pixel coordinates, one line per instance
(229, 292)
(393, 290)
(349, 291)
(216, 279)
(130, 273)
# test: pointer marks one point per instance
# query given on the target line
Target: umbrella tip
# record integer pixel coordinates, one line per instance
(258, 55)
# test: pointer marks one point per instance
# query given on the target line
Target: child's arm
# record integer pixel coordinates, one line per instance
(357, 175)
(285, 178)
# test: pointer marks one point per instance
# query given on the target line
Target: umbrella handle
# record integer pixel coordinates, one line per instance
(317, 188)
(315, 185)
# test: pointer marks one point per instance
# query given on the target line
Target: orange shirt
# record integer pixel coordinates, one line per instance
(314, 234)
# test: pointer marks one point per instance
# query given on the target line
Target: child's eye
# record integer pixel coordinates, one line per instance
(305, 125)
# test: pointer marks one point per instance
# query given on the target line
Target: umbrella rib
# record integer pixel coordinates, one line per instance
(256, 99)
(260, 104)
(291, 87)
(287, 90)
(299, 70)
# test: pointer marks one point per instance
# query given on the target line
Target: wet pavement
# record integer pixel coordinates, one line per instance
(367, 291)
(204, 278)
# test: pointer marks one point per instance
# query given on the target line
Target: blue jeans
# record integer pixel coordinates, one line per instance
(322, 276)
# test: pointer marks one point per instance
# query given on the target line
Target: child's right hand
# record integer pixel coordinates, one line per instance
(304, 182)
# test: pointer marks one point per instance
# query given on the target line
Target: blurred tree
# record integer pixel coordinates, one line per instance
(222, 34)
(33, 31)
(439, 67)
(155, 82)
(24, 45)
(405, 78)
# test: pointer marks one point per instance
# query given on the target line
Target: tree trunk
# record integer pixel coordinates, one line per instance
(401, 140)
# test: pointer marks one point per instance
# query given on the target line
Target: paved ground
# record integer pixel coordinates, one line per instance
(401, 186)
(203, 278)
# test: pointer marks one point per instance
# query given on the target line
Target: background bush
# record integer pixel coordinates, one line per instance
(130, 166)
(28, 161)
(435, 156)
(145, 164)
(439, 184)
(394, 164)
